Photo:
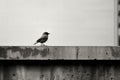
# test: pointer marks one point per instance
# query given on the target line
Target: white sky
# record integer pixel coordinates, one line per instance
(70, 22)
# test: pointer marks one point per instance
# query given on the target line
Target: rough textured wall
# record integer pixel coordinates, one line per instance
(17, 63)
(60, 72)
(59, 52)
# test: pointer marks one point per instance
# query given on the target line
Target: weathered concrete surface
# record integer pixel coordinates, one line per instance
(59, 52)
(61, 72)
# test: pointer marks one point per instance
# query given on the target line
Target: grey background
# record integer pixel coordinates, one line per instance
(70, 22)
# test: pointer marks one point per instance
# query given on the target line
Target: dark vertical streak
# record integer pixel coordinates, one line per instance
(119, 40)
(52, 73)
(77, 52)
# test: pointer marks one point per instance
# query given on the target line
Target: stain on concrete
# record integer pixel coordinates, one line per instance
(24, 52)
(77, 52)
(115, 52)
(44, 52)
(14, 49)
(3, 52)
(35, 52)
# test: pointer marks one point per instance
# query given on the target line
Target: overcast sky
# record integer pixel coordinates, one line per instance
(70, 22)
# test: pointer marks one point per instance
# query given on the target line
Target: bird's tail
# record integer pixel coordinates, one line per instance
(35, 43)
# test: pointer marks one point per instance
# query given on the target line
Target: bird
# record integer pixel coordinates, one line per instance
(43, 38)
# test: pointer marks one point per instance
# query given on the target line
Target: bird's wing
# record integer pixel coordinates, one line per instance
(44, 36)
(41, 40)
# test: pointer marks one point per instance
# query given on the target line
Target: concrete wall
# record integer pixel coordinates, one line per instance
(46, 63)
(80, 71)
(59, 52)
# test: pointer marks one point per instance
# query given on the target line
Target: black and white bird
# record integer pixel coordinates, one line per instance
(43, 38)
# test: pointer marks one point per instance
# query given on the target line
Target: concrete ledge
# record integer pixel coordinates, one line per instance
(59, 52)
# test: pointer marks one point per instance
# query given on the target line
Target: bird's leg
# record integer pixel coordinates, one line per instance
(41, 44)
